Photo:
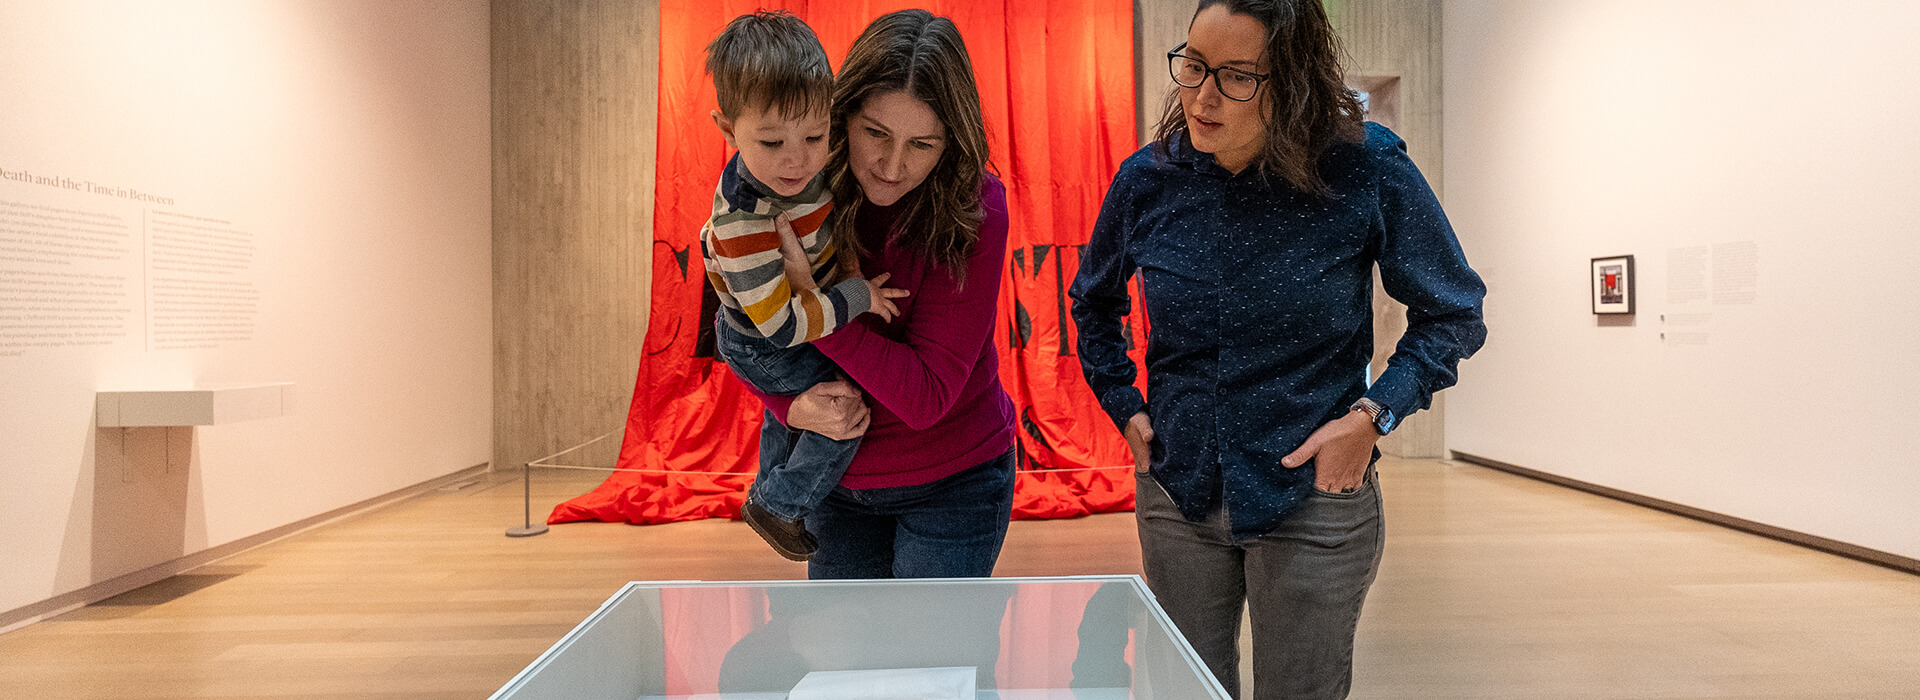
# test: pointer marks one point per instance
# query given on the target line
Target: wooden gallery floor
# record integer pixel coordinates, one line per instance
(1494, 586)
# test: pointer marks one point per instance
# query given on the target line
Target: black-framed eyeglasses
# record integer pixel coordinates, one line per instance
(1233, 83)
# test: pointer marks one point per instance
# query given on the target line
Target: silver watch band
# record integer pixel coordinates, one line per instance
(1373, 409)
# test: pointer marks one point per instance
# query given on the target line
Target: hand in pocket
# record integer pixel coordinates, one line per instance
(1139, 435)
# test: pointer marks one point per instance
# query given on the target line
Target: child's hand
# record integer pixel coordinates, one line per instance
(883, 296)
(792, 257)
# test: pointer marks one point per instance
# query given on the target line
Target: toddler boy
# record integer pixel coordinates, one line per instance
(773, 266)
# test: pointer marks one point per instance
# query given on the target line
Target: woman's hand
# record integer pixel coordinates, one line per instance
(1340, 451)
(1139, 435)
(836, 409)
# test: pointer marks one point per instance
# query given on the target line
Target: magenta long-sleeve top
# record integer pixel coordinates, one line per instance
(932, 375)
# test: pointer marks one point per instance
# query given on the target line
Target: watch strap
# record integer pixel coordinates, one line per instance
(1378, 414)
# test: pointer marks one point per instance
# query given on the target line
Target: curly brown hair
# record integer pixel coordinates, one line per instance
(1310, 105)
(915, 52)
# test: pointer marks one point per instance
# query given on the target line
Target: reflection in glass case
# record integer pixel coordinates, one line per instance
(1066, 638)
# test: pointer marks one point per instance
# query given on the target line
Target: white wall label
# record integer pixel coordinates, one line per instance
(1686, 275)
(63, 276)
(1736, 273)
(86, 264)
(1678, 329)
(200, 288)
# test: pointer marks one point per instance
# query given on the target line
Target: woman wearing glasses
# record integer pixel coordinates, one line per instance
(1256, 220)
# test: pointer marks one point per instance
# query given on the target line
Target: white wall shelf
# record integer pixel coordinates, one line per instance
(204, 405)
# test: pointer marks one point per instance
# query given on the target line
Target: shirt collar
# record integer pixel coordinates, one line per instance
(1180, 150)
(744, 192)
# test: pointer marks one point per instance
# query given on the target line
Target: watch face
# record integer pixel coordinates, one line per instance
(1384, 423)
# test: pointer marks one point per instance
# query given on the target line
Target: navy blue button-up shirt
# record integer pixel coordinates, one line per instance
(1259, 300)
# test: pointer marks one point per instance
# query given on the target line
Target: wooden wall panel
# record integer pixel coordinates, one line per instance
(574, 101)
(1400, 39)
(1158, 26)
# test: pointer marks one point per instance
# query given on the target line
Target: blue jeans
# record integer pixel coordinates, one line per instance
(797, 468)
(950, 528)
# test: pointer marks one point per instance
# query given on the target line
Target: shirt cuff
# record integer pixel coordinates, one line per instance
(1399, 392)
(859, 297)
(1120, 405)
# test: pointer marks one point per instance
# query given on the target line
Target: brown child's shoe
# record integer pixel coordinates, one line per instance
(790, 539)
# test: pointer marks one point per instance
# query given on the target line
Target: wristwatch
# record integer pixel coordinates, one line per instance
(1381, 416)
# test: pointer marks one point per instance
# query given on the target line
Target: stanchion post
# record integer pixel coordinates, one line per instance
(527, 529)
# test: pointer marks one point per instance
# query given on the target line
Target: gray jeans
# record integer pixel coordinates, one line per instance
(1304, 584)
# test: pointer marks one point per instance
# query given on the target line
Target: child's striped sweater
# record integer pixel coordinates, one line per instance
(742, 254)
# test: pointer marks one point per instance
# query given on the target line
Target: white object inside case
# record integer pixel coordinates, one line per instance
(949, 683)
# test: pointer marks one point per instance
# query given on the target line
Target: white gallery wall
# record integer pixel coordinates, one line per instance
(200, 193)
(1760, 159)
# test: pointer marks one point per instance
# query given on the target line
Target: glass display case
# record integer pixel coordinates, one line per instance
(1064, 638)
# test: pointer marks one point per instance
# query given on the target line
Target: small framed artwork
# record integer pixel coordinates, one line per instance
(1613, 285)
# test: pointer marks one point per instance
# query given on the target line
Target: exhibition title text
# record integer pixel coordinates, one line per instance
(87, 186)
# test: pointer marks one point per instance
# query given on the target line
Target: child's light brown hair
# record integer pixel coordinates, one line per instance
(770, 60)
